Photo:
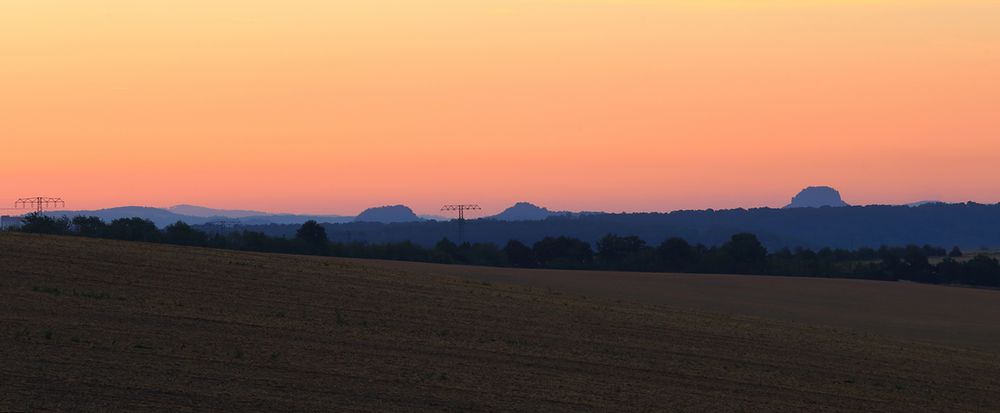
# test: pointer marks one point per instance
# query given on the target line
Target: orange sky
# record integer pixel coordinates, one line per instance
(330, 106)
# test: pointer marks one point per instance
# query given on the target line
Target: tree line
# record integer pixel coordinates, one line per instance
(741, 254)
(969, 224)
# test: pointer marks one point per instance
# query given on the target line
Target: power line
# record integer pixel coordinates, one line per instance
(39, 203)
(223, 227)
(460, 208)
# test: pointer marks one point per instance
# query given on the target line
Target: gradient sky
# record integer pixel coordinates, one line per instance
(331, 106)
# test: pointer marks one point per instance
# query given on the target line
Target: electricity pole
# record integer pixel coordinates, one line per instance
(461, 208)
(39, 203)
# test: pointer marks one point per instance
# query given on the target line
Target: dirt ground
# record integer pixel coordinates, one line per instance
(958, 316)
(92, 325)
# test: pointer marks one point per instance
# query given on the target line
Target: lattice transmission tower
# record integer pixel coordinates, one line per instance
(39, 203)
(222, 227)
(461, 208)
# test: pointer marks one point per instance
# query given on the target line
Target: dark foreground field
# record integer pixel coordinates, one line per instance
(96, 325)
(957, 316)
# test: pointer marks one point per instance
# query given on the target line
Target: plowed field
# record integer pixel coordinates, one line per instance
(93, 325)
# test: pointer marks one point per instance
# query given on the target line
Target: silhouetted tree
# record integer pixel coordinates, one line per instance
(90, 226)
(677, 255)
(481, 254)
(257, 241)
(520, 255)
(866, 254)
(947, 271)
(955, 252)
(982, 270)
(917, 266)
(932, 251)
(181, 233)
(134, 229)
(44, 224)
(743, 254)
(445, 251)
(401, 251)
(563, 252)
(313, 235)
(614, 251)
(221, 241)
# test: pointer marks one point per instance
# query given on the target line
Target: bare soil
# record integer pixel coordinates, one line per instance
(93, 325)
(951, 315)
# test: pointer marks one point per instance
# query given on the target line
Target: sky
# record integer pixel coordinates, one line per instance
(332, 106)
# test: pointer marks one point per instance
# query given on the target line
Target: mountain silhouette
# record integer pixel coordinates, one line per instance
(926, 202)
(817, 197)
(388, 214)
(524, 211)
(200, 211)
(250, 217)
(967, 225)
(161, 217)
(292, 219)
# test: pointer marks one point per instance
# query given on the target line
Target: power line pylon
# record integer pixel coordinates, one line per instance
(39, 203)
(222, 227)
(461, 208)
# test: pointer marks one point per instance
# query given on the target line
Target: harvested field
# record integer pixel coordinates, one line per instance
(957, 316)
(93, 325)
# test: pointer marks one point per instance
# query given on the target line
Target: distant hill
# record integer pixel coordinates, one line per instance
(161, 217)
(293, 219)
(922, 203)
(817, 197)
(524, 211)
(200, 211)
(388, 214)
(249, 217)
(968, 225)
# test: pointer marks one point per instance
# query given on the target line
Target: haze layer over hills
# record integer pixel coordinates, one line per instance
(817, 217)
(969, 226)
